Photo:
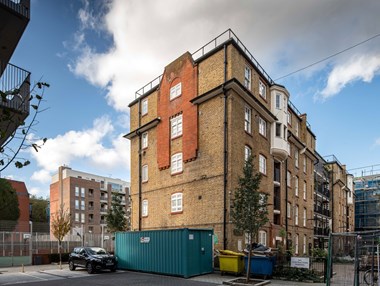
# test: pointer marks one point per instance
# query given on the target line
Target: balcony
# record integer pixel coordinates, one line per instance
(103, 199)
(14, 100)
(14, 17)
(103, 211)
(321, 231)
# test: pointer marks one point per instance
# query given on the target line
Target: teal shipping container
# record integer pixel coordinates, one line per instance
(178, 252)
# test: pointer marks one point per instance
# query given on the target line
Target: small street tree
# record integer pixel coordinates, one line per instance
(249, 212)
(60, 225)
(115, 219)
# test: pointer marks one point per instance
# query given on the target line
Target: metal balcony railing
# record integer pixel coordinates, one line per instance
(19, 6)
(321, 231)
(15, 83)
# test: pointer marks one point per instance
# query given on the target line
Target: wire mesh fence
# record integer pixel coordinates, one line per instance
(353, 259)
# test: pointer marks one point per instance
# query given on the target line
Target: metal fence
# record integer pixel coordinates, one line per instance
(23, 244)
(353, 258)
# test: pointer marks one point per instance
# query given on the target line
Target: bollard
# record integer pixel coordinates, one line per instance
(22, 268)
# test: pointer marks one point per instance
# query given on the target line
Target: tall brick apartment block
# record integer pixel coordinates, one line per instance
(87, 197)
(192, 129)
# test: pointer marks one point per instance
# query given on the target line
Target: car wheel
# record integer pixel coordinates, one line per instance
(90, 268)
(71, 265)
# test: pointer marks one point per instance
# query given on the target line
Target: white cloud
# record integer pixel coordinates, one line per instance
(362, 68)
(377, 142)
(283, 37)
(86, 146)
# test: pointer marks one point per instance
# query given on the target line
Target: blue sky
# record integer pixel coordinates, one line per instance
(96, 54)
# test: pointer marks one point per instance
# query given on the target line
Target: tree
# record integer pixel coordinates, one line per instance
(115, 218)
(9, 207)
(39, 209)
(60, 226)
(249, 212)
(21, 138)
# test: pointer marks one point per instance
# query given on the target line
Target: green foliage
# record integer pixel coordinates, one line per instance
(319, 252)
(115, 218)
(9, 207)
(39, 208)
(298, 274)
(250, 209)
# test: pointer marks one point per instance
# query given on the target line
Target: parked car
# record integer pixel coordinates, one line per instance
(92, 258)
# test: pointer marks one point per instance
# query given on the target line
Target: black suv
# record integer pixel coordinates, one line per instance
(92, 258)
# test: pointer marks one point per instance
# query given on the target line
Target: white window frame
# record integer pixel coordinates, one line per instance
(83, 218)
(248, 77)
(289, 208)
(77, 217)
(247, 152)
(262, 164)
(289, 118)
(77, 204)
(296, 248)
(144, 106)
(144, 208)
(262, 127)
(304, 217)
(176, 91)
(304, 190)
(82, 205)
(296, 185)
(289, 179)
(278, 101)
(82, 192)
(144, 139)
(144, 175)
(278, 129)
(77, 191)
(304, 243)
(304, 164)
(297, 127)
(296, 157)
(262, 90)
(263, 237)
(248, 119)
(176, 163)
(176, 126)
(176, 202)
(296, 215)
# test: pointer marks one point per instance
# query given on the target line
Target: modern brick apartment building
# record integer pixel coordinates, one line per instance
(87, 197)
(192, 129)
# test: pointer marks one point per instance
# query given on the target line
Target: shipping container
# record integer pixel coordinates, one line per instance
(178, 252)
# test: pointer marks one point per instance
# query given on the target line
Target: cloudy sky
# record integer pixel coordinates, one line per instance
(96, 54)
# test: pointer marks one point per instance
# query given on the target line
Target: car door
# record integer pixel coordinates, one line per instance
(82, 257)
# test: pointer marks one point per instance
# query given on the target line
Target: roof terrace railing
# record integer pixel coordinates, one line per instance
(19, 6)
(331, 159)
(213, 44)
(295, 109)
(15, 83)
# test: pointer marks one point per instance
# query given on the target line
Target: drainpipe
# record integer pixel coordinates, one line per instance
(286, 205)
(140, 167)
(225, 154)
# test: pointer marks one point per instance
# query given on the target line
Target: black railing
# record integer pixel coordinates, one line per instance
(15, 83)
(321, 231)
(19, 6)
(292, 106)
(213, 44)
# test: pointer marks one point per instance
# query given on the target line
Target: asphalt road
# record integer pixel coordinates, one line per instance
(81, 278)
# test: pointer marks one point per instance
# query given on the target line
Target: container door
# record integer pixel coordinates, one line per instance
(206, 251)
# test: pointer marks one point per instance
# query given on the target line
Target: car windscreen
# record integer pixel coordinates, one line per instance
(96, 250)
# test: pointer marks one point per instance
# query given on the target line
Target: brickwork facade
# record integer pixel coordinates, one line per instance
(87, 198)
(228, 107)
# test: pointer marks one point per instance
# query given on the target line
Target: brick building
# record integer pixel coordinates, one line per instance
(23, 205)
(87, 197)
(192, 129)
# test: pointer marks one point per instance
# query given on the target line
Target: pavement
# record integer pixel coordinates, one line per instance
(215, 278)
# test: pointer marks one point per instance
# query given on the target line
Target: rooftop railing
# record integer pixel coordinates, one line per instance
(210, 46)
(19, 6)
(295, 109)
(331, 159)
(15, 83)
